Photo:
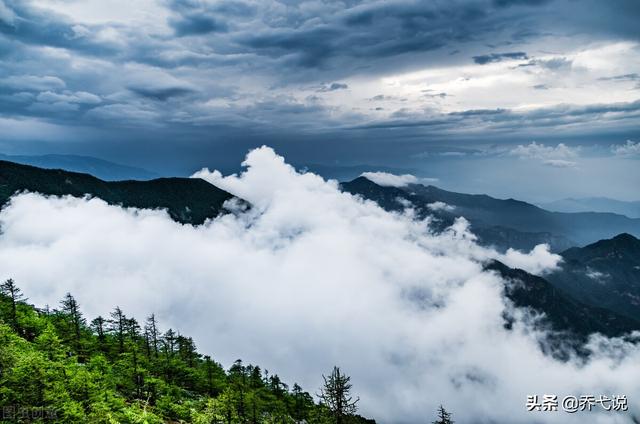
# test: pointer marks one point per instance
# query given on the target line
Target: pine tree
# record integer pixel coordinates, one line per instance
(71, 311)
(14, 295)
(302, 401)
(336, 394)
(118, 323)
(98, 327)
(151, 329)
(444, 417)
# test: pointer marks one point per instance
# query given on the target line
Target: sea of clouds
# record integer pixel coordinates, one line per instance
(312, 277)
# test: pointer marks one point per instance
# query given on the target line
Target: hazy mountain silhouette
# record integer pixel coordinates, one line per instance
(502, 223)
(595, 204)
(100, 168)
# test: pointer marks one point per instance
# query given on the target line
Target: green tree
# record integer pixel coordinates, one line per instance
(151, 332)
(98, 326)
(118, 324)
(14, 295)
(336, 394)
(73, 317)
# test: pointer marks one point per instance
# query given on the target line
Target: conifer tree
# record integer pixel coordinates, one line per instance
(151, 329)
(14, 295)
(98, 326)
(444, 417)
(71, 311)
(118, 324)
(336, 395)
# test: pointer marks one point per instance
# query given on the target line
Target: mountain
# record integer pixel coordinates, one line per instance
(103, 169)
(595, 204)
(605, 274)
(501, 223)
(187, 200)
(562, 312)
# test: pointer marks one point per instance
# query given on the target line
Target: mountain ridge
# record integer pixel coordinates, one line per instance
(187, 200)
(502, 223)
(605, 273)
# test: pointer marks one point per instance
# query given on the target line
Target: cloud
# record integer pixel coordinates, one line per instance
(7, 16)
(81, 97)
(333, 87)
(32, 83)
(440, 206)
(554, 64)
(311, 277)
(390, 180)
(499, 57)
(628, 149)
(539, 261)
(557, 156)
(196, 24)
(622, 78)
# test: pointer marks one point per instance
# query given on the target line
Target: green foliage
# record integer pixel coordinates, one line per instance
(116, 371)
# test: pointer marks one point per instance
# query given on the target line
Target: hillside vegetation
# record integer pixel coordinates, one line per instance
(57, 367)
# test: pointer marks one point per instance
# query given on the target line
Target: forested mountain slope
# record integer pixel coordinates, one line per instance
(58, 367)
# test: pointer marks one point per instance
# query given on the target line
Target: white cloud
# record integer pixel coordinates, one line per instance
(534, 150)
(390, 180)
(440, 206)
(557, 156)
(311, 277)
(539, 261)
(629, 149)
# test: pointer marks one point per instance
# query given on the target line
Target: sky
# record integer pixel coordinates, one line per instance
(311, 277)
(534, 99)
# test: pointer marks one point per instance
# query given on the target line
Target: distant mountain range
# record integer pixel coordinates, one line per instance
(594, 204)
(497, 222)
(100, 168)
(188, 200)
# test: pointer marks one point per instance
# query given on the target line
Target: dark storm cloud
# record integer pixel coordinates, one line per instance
(498, 57)
(508, 3)
(161, 93)
(505, 119)
(234, 69)
(197, 24)
(348, 38)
